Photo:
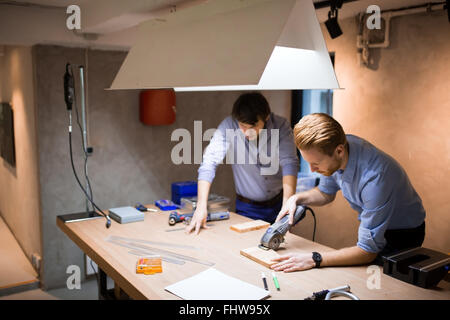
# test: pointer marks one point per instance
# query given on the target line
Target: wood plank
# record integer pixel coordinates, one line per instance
(261, 256)
(250, 226)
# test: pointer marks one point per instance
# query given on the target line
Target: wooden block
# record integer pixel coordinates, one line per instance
(261, 256)
(250, 226)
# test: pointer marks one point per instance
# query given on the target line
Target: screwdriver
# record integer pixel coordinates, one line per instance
(141, 208)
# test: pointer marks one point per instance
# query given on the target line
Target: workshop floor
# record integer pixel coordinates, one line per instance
(19, 280)
(16, 271)
(88, 291)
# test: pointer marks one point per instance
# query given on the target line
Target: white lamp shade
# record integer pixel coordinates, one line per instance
(231, 45)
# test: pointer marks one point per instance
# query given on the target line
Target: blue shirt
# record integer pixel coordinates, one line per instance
(257, 170)
(378, 188)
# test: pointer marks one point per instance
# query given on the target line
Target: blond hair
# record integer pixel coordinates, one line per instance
(319, 130)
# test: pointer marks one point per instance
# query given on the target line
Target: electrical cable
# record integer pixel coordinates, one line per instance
(69, 107)
(85, 148)
(85, 169)
(314, 216)
(108, 221)
(86, 176)
(88, 182)
(330, 293)
(334, 293)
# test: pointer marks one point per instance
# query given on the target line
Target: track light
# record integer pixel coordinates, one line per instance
(447, 5)
(332, 24)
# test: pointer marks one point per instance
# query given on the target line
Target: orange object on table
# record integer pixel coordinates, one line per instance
(149, 265)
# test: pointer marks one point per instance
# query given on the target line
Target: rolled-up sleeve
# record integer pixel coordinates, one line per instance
(328, 185)
(377, 196)
(214, 154)
(289, 162)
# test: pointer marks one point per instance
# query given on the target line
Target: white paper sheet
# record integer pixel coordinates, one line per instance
(212, 284)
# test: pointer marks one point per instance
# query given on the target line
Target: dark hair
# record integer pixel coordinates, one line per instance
(250, 107)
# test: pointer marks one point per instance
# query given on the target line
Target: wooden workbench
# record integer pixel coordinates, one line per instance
(221, 246)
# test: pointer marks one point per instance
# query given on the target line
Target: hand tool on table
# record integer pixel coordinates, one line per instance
(274, 235)
(330, 293)
(184, 228)
(139, 206)
(176, 217)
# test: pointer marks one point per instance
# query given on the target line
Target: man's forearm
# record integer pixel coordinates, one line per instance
(346, 257)
(314, 197)
(289, 185)
(203, 188)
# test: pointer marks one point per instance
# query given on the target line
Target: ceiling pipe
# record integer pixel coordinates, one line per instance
(363, 44)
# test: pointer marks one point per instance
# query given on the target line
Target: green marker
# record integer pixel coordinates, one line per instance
(275, 280)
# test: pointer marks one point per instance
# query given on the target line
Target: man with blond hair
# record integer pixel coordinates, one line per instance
(390, 211)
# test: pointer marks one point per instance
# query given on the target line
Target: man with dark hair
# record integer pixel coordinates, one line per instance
(250, 107)
(257, 143)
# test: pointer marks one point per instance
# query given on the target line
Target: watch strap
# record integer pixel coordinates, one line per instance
(317, 257)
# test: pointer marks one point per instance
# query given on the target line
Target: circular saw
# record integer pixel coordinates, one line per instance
(274, 235)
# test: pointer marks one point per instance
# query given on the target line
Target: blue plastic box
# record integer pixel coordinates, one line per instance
(166, 205)
(183, 189)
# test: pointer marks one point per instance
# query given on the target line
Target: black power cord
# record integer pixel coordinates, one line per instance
(108, 221)
(69, 92)
(314, 216)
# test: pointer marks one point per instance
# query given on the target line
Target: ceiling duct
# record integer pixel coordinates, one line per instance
(231, 45)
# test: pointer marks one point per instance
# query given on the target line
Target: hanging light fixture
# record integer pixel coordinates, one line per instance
(231, 45)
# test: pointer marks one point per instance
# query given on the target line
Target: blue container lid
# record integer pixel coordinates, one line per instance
(184, 187)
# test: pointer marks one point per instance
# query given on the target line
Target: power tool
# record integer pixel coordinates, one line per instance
(176, 217)
(274, 235)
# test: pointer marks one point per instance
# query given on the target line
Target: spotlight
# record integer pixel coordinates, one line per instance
(447, 4)
(332, 24)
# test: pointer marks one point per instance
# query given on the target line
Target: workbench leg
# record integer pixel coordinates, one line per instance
(112, 294)
(117, 291)
(102, 285)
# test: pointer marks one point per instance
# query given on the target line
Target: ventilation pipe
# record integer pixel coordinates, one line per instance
(363, 39)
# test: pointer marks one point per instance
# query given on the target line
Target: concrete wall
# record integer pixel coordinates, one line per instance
(19, 185)
(402, 107)
(131, 162)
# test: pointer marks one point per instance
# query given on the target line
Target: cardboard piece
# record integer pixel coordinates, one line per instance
(250, 226)
(261, 256)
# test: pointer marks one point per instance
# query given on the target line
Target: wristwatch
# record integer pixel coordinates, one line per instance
(317, 258)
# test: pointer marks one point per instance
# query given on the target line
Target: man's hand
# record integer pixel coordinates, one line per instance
(294, 262)
(312, 197)
(198, 220)
(289, 208)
